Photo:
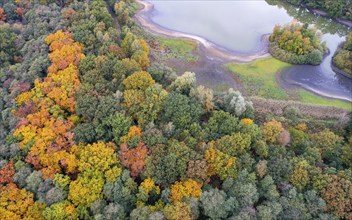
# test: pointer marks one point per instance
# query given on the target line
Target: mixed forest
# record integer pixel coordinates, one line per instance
(92, 128)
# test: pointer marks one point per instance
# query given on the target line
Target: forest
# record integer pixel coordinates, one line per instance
(92, 128)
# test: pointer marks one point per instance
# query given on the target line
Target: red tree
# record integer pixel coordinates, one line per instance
(2, 15)
(6, 173)
(134, 158)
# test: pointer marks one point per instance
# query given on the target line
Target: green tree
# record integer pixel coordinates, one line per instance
(162, 73)
(334, 7)
(115, 126)
(221, 123)
(235, 144)
(181, 110)
(215, 204)
(122, 191)
(152, 105)
(243, 189)
(7, 44)
(346, 154)
(167, 163)
(300, 175)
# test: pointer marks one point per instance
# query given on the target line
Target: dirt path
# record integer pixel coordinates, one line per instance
(116, 22)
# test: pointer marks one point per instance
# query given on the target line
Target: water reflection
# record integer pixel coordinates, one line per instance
(325, 25)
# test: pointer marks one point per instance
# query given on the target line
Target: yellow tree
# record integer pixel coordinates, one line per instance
(99, 157)
(271, 131)
(220, 164)
(138, 80)
(87, 188)
(177, 211)
(185, 189)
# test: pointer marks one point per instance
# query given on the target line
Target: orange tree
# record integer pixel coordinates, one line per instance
(45, 132)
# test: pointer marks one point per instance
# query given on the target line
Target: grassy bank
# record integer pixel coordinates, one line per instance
(308, 97)
(259, 79)
(179, 49)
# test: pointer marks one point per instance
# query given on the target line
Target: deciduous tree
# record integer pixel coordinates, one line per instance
(185, 189)
(220, 164)
(6, 173)
(18, 204)
(271, 131)
(134, 159)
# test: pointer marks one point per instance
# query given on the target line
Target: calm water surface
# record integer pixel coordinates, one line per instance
(239, 26)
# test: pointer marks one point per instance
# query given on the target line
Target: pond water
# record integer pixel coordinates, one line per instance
(239, 26)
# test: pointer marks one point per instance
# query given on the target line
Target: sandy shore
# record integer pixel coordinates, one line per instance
(212, 50)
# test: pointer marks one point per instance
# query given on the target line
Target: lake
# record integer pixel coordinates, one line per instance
(239, 26)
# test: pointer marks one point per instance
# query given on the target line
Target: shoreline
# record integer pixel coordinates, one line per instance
(335, 68)
(339, 71)
(212, 50)
(217, 53)
(324, 14)
(284, 83)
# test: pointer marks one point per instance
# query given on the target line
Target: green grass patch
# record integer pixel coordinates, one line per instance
(259, 77)
(179, 48)
(308, 97)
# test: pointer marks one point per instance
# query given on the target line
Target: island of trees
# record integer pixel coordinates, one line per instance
(343, 57)
(91, 128)
(297, 44)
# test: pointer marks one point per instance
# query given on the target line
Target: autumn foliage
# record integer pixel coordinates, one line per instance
(188, 188)
(338, 196)
(45, 131)
(6, 173)
(114, 135)
(134, 159)
(220, 164)
(2, 15)
(18, 204)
